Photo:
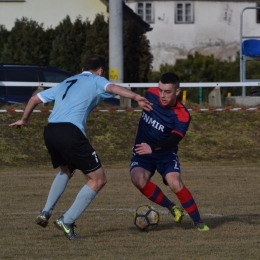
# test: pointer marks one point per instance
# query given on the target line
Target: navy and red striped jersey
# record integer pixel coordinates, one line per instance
(158, 124)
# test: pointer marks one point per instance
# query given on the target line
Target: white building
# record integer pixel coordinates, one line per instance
(49, 12)
(184, 27)
(179, 28)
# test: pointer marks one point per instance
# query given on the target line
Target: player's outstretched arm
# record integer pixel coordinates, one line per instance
(143, 103)
(32, 103)
(124, 92)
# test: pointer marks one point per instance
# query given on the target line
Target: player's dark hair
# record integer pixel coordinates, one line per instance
(94, 62)
(170, 78)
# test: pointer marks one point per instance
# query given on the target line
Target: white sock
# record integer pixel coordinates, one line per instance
(82, 201)
(57, 188)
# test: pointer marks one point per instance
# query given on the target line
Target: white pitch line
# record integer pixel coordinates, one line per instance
(27, 175)
(254, 216)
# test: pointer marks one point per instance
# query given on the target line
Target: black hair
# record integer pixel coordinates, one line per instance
(94, 62)
(170, 78)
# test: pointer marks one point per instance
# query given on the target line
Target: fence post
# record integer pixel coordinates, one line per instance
(215, 97)
(200, 95)
(184, 96)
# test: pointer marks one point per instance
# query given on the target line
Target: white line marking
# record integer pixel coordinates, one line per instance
(253, 216)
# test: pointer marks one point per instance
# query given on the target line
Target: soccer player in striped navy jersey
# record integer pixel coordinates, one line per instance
(159, 132)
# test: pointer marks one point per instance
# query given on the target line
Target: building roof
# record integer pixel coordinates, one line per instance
(129, 14)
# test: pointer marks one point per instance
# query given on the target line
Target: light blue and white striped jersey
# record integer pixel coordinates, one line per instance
(75, 98)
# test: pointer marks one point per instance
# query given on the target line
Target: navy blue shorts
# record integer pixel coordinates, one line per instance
(67, 145)
(162, 162)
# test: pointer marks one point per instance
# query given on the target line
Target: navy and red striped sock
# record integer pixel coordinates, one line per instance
(188, 203)
(155, 194)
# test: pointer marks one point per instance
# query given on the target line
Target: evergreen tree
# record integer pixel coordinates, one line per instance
(68, 44)
(97, 39)
(27, 43)
(137, 56)
(4, 34)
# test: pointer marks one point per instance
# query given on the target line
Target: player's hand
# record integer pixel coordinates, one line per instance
(19, 123)
(144, 103)
(143, 148)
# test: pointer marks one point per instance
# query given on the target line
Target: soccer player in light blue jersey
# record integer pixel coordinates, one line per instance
(66, 140)
(159, 132)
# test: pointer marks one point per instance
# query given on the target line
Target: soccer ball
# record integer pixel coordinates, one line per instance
(146, 218)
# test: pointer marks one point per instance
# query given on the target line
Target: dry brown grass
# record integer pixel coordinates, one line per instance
(220, 162)
(227, 196)
(227, 136)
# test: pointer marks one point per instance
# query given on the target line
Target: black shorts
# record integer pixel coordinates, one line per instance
(67, 145)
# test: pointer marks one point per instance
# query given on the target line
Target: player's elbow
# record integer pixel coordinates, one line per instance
(114, 89)
(35, 100)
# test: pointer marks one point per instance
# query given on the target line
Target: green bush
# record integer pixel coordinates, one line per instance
(199, 68)
(68, 44)
(26, 43)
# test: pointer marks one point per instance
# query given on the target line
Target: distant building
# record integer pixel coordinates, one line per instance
(51, 12)
(184, 27)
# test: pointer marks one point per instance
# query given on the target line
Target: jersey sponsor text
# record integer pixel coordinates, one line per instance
(149, 120)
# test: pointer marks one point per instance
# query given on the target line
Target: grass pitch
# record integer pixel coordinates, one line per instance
(220, 165)
(228, 199)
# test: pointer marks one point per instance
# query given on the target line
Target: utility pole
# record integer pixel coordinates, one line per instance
(116, 63)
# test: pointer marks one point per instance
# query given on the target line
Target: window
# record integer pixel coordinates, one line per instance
(1, 75)
(2, 88)
(144, 10)
(55, 77)
(258, 13)
(21, 75)
(184, 12)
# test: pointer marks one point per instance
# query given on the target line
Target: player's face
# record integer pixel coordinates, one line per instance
(168, 94)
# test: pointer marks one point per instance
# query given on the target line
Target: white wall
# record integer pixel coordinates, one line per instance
(210, 33)
(49, 12)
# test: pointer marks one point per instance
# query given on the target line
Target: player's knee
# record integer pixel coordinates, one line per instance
(103, 181)
(65, 169)
(175, 185)
(100, 182)
(139, 181)
(134, 178)
(97, 184)
(97, 179)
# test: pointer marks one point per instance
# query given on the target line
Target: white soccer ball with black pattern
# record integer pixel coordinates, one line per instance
(146, 218)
